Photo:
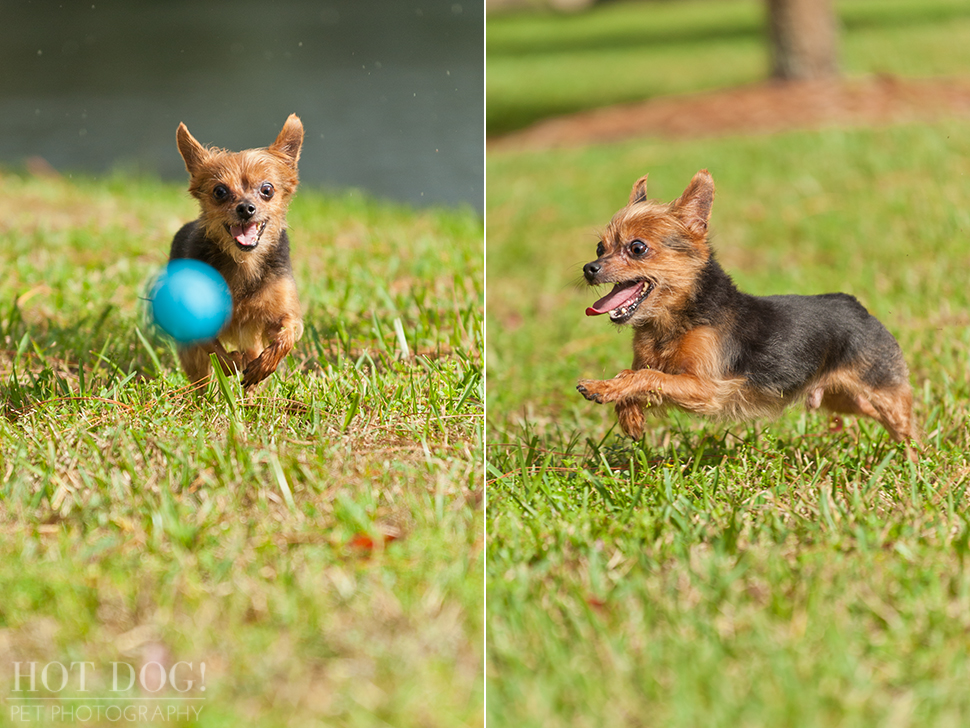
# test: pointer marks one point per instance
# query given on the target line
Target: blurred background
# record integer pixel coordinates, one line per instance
(548, 58)
(390, 92)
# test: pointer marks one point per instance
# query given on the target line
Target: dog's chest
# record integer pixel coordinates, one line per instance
(697, 351)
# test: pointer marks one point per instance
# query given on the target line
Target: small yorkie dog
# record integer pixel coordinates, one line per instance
(703, 346)
(242, 234)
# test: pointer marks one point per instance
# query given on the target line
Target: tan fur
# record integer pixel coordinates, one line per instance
(844, 393)
(674, 272)
(688, 374)
(266, 319)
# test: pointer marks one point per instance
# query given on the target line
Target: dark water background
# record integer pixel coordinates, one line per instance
(391, 92)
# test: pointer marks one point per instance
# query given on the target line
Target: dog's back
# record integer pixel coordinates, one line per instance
(781, 342)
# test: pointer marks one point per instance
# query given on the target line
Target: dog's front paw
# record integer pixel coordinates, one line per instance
(594, 390)
(587, 393)
(255, 372)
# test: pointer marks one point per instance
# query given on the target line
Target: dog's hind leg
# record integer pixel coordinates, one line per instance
(891, 407)
(894, 409)
(195, 362)
(197, 365)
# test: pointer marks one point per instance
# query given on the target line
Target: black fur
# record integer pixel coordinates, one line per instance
(191, 242)
(780, 342)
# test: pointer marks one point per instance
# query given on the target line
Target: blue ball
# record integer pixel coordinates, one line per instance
(191, 301)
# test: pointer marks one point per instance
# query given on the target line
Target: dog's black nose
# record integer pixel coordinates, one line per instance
(245, 210)
(590, 270)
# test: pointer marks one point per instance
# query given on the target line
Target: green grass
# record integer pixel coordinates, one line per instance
(541, 65)
(319, 544)
(758, 575)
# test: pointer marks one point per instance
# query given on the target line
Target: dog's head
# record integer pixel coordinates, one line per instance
(244, 195)
(652, 253)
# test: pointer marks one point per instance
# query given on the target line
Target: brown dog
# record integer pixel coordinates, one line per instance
(242, 234)
(703, 346)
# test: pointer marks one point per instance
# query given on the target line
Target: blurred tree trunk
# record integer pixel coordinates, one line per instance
(803, 36)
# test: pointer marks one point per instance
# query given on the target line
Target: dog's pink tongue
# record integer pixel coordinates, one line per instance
(245, 234)
(621, 294)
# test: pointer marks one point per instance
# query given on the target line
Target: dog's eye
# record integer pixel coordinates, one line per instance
(638, 248)
(600, 249)
(266, 191)
(220, 192)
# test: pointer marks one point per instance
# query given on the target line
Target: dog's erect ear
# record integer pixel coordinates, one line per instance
(694, 206)
(290, 139)
(639, 191)
(193, 153)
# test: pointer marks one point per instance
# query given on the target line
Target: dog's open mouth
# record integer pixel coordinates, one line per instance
(622, 302)
(247, 236)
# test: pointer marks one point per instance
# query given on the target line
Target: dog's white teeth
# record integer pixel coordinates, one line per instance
(624, 311)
